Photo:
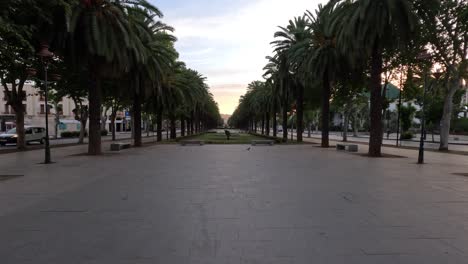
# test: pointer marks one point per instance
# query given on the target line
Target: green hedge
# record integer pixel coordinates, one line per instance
(70, 134)
(277, 140)
(75, 134)
(406, 135)
(460, 125)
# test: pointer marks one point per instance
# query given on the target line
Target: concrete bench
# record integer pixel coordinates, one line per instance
(119, 146)
(347, 147)
(263, 142)
(192, 142)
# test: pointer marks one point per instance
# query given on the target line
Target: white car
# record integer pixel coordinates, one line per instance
(32, 134)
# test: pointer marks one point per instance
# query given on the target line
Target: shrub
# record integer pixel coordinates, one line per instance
(460, 125)
(407, 135)
(104, 132)
(70, 134)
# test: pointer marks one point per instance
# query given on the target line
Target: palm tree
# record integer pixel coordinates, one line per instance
(278, 66)
(323, 58)
(293, 41)
(375, 26)
(151, 58)
(100, 38)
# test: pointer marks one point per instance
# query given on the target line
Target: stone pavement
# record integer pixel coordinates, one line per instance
(295, 204)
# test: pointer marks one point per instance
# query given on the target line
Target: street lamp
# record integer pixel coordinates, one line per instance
(46, 55)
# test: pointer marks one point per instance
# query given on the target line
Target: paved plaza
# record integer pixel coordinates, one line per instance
(296, 204)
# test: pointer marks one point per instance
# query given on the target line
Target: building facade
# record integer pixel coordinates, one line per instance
(35, 107)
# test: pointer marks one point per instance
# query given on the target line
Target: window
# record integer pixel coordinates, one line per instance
(25, 108)
(28, 131)
(38, 130)
(41, 96)
(43, 109)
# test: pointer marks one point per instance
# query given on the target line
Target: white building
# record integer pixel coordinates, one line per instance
(35, 106)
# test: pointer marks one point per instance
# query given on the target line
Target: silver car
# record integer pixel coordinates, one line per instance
(32, 134)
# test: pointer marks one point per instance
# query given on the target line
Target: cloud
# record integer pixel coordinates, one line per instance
(230, 47)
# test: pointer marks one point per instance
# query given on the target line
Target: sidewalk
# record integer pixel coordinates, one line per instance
(455, 146)
(67, 142)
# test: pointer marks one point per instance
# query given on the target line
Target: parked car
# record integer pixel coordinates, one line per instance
(32, 134)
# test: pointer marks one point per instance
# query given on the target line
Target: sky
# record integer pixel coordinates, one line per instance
(227, 40)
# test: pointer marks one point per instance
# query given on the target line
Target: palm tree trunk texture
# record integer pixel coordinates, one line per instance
(189, 124)
(267, 124)
(275, 122)
(326, 111)
(263, 125)
(285, 122)
(137, 119)
(300, 112)
(159, 124)
(375, 141)
(173, 128)
(182, 127)
(113, 116)
(94, 134)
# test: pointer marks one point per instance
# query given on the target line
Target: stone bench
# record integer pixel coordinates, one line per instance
(347, 147)
(192, 142)
(262, 142)
(119, 146)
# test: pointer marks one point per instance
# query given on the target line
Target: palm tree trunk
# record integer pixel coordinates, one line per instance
(267, 123)
(285, 121)
(300, 112)
(275, 122)
(113, 124)
(159, 124)
(375, 141)
(94, 99)
(326, 110)
(192, 120)
(355, 126)
(173, 127)
(263, 125)
(182, 127)
(137, 117)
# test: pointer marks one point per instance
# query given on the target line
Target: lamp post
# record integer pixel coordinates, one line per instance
(45, 55)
